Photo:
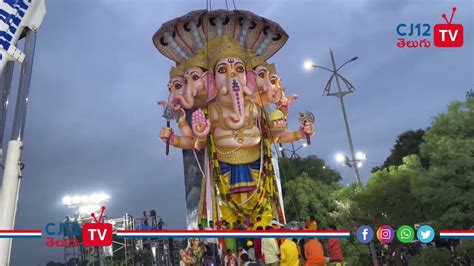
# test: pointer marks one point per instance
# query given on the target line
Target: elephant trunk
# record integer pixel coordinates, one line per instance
(187, 101)
(236, 119)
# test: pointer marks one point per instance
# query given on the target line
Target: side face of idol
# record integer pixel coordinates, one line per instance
(267, 92)
(177, 88)
(196, 90)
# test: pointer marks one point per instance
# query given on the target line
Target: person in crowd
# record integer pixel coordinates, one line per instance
(212, 243)
(250, 250)
(240, 242)
(230, 259)
(270, 250)
(145, 218)
(221, 241)
(258, 222)
(153, 218)
(257, 245)
(229, 242)
(241, 252)
(311, 223)
(194, 254)
(247, 261)
(289, 253)
(334, 249)
(314, 254)
(161, 224)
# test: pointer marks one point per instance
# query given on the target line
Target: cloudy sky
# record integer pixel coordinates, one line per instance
(93, 123)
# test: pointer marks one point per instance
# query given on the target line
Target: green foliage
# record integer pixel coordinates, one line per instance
(144, 256)
(355, 253)
(466, 248)
(312, 165)
(305, 196)
(447, 188)
(432, 257)
(388, 197)
(407, 143)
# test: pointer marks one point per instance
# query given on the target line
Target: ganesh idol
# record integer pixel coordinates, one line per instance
(237, 133)
(230, 105)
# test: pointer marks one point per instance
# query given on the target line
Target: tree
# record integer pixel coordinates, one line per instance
(432, 257)
(305, 196)
(388, 197)
(447, 188)
(407, 143)
(470, 94)
(312, 165)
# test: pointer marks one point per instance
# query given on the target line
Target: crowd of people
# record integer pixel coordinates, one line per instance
(261, 251)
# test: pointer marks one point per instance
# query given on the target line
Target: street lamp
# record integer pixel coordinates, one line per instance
(293, 151)
(85, 204)
(344, 160)
(339, 94)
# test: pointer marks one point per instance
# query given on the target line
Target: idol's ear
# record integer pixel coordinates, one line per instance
(251, 80)
(210, 84)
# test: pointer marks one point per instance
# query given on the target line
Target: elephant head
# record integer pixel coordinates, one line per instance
(196, 95)
(266, 91)
(228, 86)
(284, 102)
(177, 88)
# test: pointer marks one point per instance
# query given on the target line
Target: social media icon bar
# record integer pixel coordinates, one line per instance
(385, 234)
(365, 234)
(405, 234)
(425, 234)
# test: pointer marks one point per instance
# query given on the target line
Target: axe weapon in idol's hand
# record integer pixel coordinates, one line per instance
(306, 117)
(168, 115)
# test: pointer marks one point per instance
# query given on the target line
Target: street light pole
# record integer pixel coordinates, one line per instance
(341, 95)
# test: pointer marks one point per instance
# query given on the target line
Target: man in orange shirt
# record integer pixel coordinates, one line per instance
(311, 224)
(313, 251)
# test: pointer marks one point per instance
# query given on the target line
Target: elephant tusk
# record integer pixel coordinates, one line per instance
(224, 90)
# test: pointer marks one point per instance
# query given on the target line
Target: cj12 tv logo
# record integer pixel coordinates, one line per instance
(96, 234)
(417, 35)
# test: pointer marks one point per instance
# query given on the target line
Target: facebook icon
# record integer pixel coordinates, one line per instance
(365, 234)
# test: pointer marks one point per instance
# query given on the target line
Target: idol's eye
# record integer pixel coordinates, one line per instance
(178, 86)
(240, 69)
(222, 70)
(261, 74)
(195, 77)
(273, 81)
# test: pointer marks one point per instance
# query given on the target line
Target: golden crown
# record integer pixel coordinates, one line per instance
(271, 68)
(223, 47)
(178, 70)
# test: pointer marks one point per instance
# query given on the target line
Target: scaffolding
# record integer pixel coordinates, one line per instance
(124, 251)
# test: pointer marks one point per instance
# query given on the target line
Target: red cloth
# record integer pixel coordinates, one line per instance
(257, 245)
(335, 250)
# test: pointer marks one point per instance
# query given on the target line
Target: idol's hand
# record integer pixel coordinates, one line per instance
(307, 129)
(166, 134)
(201, 126)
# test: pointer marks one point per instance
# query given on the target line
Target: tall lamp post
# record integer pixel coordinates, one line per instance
(339, 94)
(293, 151)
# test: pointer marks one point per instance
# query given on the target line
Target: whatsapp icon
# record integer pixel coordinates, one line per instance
(405, 234)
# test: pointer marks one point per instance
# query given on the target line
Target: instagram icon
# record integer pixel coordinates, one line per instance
(385, 234)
